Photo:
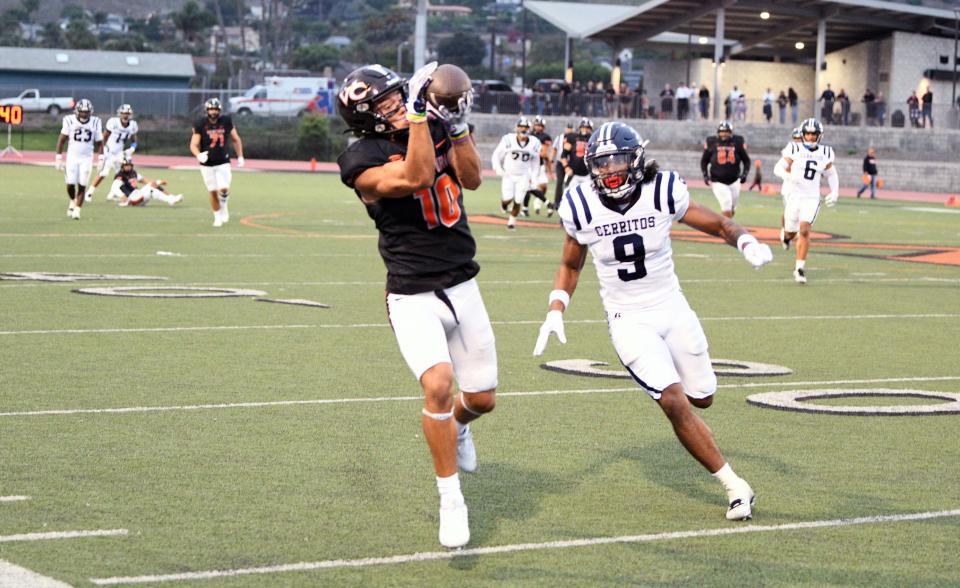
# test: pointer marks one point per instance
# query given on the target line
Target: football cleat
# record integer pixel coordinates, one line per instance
(75, 215)
(217, 221)
(70, 211)
(88, 197)
(503, 206)
(550, 209)
(799, 276)
(524, 212)
(224, 213)
(177, 198)
(454, 524)
(784, 242)
(741, 506)
(466, 452)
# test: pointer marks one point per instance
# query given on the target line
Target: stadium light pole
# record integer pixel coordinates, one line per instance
(718, 60)
(493, 42)
(956, 37)
(523, 48)
(420, 34)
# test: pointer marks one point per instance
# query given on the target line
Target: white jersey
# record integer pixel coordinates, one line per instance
(631, 250)
(807, 168)
(119, 135)
(512, 158)
(82, 136)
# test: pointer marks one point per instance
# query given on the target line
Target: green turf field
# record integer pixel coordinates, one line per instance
(346, 474)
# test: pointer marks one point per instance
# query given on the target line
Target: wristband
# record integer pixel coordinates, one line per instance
(416, 117)
(560, 295)
(744, 240)
(461, 136)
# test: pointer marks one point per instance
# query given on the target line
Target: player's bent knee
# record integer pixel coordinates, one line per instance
(479, 402)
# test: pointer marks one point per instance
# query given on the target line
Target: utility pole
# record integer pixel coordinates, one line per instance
(420, 36)
(493, 43)
(523, 54)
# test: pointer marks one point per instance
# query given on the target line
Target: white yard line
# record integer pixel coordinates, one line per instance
(13, 498)
(63, 535)
(12, 576)
(521, 547)
(375, 399)
(500, 323)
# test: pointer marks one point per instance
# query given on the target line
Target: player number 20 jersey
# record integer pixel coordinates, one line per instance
(807, 168)
(81, 136)
(119, 135)
(631, 250)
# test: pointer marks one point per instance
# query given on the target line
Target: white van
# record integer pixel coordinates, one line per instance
(279, 96)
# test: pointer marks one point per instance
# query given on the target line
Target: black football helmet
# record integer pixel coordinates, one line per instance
(585, 123)
(724, 127)
(361, 89)
(84, 110)
(615, 158)
(811, 126)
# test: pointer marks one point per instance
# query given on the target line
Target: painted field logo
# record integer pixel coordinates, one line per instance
(721, 367)
(169, 292)
(801, 401)
(69, 277)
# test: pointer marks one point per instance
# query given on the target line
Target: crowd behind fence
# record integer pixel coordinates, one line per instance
(171, 104)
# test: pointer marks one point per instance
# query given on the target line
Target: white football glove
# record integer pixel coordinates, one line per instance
(756, 253)
(417, 91)
(128, 153)
(240, 162)
(203, 156)
(455, 121)
(552, 324)
(58, 162)
(831, 199)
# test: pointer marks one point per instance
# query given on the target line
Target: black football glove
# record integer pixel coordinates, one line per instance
(706, 179)
(743, 178)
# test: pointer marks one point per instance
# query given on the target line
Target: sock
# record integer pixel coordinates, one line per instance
(801, 263)
(511, 221)
(449, 489)
(461, 427)
(727, 477)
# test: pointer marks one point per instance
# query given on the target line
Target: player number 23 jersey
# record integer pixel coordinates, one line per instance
(81, 136)
(807, 168)
(631, 249)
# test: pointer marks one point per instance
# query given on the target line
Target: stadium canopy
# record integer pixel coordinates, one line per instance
(737, 27)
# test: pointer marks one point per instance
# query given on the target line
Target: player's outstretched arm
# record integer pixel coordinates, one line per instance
(564, 283)
(707, 221)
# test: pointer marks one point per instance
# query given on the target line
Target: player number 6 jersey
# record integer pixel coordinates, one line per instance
(631, 250)
(807, 168)
(82, 136)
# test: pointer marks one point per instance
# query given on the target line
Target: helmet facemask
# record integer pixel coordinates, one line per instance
(616, 175)
(384, 122)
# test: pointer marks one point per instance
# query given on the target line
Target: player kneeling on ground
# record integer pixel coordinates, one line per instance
(623, 217)
(409, 171)
(131, 189)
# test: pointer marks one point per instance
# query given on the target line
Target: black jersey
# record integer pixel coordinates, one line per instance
(574, 149)
(545, 141)
(129, 181)
(425, 240)
(727, 159)
(214, 137)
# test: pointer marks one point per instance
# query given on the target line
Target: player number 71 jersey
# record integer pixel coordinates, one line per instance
(631, 250)
(807, 168)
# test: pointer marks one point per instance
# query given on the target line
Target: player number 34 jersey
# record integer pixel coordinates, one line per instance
(631, 249)
(807, 168)
(81, 136)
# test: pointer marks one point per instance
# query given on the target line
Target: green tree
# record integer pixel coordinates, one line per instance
(73, 12)
(463, 50)
(129, 42)
(52, 35)
(192, 20)
(316, 138)
(79, 36)
(316, 57)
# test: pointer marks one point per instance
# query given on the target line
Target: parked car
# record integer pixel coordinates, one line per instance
(283, 96)
(31, 101)
(495, 96)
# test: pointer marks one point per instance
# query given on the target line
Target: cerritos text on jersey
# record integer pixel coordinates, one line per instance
(629, 225)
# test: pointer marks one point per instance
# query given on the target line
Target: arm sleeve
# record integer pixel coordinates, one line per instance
(497, 159)
(833, 180)
(780, 170)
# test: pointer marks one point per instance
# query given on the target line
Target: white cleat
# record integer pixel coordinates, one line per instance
(454, 525)
(799, 276)
(75, 215)
(217, 221)
(224, 213)
(466, 452)
(177, 198)
(88, 197)
(70, 211)
(741, 503)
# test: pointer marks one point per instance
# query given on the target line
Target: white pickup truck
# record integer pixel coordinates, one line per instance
(31, 101)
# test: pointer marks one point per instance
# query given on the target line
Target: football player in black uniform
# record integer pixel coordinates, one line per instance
(209, 145)
(572, 157)
(558, 168)
(409, 169)
(545, 174)
(726, 155)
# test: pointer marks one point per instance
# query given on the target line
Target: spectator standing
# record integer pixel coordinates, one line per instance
(870, 170)
(913, 106)
(683, 101)
(793, 99)
(782, 106)
(927, 100)
(666, 101)
(768, 105)
(644, 104)
(844, 101)
(827, 98)
(610, 94)
(741, 106)
(881, 108)
(704, 101)
(870, 106)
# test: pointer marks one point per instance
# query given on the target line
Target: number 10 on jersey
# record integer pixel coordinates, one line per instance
(439, 203)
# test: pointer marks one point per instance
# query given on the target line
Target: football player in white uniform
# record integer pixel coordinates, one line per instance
(85, 135)
(119, 130)
(545, 172)
(800, 167)
(517, 160)
(129, 188)
(623, 217)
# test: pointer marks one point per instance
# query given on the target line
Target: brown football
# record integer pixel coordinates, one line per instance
(448, 85)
